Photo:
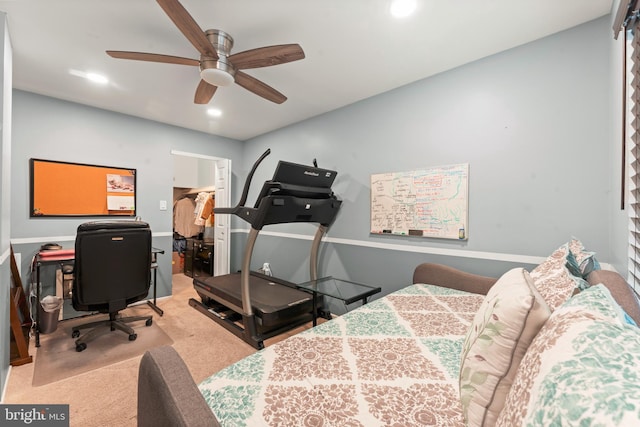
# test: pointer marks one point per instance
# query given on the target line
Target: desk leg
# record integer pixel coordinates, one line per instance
(153, 304)
(37, 313)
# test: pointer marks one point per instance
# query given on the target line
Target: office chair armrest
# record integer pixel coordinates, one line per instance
(167, 394)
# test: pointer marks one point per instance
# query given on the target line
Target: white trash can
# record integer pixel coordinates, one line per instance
(49, 311)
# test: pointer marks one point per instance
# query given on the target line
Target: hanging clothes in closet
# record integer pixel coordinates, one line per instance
(204, 210)
(201, 200)
(185, 218)
(207, 210)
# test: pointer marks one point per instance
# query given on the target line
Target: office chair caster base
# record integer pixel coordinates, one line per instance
(75, 334)
(149, 322)
(133, 337)
(81, 346)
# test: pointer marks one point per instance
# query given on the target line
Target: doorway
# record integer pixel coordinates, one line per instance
(203, 173)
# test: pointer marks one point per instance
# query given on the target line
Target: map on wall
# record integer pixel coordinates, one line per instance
(431, 202)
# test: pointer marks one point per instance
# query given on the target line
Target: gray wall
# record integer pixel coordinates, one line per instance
(49, 128)
(534, 124)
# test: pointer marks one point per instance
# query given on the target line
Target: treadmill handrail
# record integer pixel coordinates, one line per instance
(245, 190)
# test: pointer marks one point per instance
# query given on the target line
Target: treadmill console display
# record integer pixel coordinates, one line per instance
(307, 176)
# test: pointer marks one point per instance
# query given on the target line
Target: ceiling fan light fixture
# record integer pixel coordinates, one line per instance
(217, 66)
(216, 77)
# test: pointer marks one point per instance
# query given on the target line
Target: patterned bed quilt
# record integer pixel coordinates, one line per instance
(394, 361)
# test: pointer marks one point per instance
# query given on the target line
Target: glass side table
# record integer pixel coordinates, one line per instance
(343, 290)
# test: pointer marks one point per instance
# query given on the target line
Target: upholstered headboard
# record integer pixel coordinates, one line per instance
(442, 275)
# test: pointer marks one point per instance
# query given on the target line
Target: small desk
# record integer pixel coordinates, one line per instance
(343, 290)
(67, 258)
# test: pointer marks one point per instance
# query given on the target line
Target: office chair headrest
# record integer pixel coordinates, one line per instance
(110, 225)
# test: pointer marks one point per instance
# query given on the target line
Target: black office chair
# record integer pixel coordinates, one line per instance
(112, 270)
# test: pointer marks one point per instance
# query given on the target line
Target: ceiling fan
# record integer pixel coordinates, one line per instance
(217, 66)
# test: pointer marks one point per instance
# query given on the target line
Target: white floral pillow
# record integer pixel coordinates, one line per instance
(509, 318)
(576, 246)
(553, 280)
(581, 369)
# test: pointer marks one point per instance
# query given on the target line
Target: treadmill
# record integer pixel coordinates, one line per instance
(252, 305)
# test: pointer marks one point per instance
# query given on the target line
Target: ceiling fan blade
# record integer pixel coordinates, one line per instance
(256, 86)
(188, 26)
(267, 56)
(204, 92)
(152, 57)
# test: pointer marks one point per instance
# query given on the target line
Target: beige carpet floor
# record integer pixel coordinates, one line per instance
(108, 396)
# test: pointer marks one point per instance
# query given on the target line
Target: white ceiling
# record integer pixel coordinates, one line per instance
(354, 50)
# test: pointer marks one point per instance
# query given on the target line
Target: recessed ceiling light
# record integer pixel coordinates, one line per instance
(97, 78)
(93, 77)
(214, 112)
(402, 8)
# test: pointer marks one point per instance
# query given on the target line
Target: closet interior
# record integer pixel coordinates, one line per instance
(193, 218)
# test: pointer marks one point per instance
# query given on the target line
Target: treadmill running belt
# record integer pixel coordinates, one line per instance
(270, 301)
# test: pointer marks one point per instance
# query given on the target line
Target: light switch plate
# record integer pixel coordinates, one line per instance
(163, 205)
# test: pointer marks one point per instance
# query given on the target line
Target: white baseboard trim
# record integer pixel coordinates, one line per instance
(493, 256)
(460, 253)
(72, 238)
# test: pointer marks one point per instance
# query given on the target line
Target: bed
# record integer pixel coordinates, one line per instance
(396, 358)
(393, 361)
(532, 350)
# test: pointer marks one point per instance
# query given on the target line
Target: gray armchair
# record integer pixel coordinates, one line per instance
(167, 394)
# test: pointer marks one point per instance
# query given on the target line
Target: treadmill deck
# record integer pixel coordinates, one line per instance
(273, 300)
